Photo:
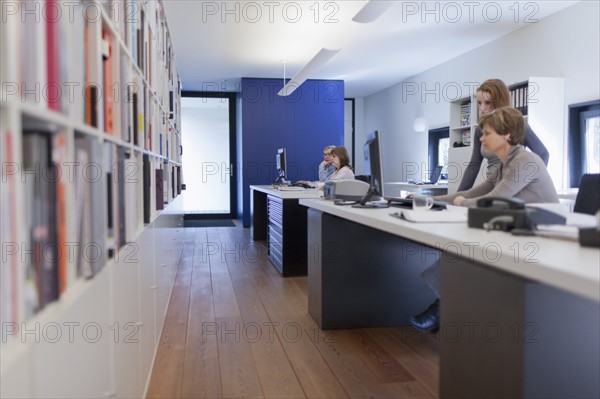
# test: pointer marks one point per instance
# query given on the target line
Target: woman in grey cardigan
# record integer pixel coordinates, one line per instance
(490, 95)
(521, 174)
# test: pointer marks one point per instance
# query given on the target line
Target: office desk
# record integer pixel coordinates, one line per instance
(520, 316)
(277, 218)
(428, 189)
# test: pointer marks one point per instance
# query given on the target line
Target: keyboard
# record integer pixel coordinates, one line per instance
(290, 188)
(302, 185)
(407, 203)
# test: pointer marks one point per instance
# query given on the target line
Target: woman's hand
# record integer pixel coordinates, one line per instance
(459, 200)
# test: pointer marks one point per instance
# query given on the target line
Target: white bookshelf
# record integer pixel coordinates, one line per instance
(89, 324)
(464, 114)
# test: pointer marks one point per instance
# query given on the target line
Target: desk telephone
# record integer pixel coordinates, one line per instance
(510, 214)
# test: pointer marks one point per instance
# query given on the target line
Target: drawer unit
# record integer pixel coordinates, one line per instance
(286, 235)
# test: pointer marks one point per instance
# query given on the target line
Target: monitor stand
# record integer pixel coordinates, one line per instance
(282, 182)
(364, 202)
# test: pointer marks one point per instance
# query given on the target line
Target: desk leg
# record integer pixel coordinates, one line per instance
(258, 217)
(504, 336)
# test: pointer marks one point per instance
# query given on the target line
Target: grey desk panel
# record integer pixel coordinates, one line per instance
(363, 277)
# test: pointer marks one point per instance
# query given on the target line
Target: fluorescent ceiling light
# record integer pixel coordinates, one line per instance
(320, 59)
(372, 10)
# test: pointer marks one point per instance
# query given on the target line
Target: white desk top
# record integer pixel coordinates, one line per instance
(559, 263)
(414, 186)
(296, 194)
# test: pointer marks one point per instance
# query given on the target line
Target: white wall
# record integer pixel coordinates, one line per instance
(564, 45)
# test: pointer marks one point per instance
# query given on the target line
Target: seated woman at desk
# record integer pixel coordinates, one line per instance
(343, 171)
(521, 174)
(493, 94)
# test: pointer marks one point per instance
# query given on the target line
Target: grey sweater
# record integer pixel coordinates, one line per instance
(532, 141)
(523, 175)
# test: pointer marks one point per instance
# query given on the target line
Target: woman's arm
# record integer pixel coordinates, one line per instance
(472, 169)
(533, 142)
(478, 191)
(519, 173)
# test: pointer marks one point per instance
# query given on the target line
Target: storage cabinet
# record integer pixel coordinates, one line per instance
(286, 237)
(278, 218)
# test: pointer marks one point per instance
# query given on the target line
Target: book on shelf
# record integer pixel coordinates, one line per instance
(52, 22)
(132, 181)
(108, 82)
(59, 157)
(89, 207)
(41, 269)
(123, 180)
(159, 189)
(147, 184)
(9, 273)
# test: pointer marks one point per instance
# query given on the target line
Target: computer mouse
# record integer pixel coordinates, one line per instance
(420, 183)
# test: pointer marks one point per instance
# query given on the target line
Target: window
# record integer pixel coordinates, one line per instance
(439, 143)
(584, 140)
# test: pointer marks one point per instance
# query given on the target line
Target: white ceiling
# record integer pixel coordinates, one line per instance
(218, 42)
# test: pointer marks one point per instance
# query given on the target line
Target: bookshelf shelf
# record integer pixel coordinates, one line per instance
(91, 177)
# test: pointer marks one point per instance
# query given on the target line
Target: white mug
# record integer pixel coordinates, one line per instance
(422, 202)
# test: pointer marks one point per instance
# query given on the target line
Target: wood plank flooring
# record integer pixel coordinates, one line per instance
(236, 329)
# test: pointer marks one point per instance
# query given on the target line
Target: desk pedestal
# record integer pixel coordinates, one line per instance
(362, 277)
(505, 336)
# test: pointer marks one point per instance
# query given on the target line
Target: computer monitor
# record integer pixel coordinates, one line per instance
(373, 168)
(281, 166)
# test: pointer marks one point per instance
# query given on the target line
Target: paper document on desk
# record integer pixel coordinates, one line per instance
(558, 231)
(453, 214)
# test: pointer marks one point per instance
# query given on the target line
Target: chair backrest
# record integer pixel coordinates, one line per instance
(588, 196)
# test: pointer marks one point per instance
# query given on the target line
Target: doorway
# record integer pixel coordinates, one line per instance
(209, 155)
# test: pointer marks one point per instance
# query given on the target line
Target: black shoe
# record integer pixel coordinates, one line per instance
(429, 320)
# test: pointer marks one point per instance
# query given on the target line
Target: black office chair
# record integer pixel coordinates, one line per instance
(588, 196)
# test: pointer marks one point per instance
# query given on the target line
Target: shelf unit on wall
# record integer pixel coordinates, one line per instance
(91, 172)
(541, 101)
(464, 114)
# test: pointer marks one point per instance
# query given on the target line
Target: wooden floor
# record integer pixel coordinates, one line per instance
(235, 329)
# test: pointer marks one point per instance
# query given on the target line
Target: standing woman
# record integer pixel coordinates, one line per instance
(493, 94)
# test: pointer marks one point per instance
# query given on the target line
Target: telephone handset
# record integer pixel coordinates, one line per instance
(499, 213)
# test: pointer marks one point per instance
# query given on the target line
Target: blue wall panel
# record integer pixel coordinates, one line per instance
(306, 121)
